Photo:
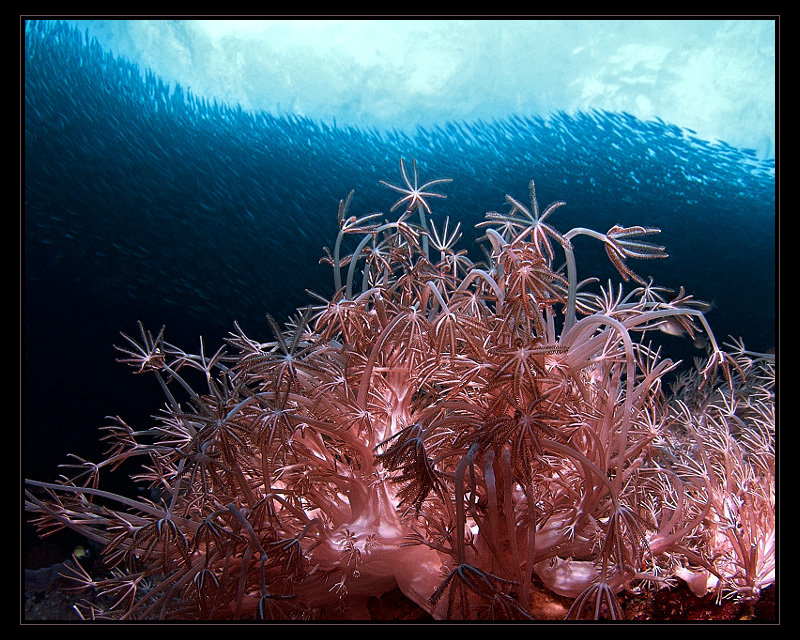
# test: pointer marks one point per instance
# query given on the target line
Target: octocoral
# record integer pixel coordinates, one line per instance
(442, 425)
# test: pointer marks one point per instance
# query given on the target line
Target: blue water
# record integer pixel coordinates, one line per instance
(145, 203)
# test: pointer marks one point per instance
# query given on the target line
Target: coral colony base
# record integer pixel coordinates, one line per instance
(441, 425)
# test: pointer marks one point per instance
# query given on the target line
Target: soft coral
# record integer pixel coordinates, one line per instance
(433, 431)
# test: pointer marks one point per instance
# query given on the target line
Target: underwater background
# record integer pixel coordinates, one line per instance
(145, 199)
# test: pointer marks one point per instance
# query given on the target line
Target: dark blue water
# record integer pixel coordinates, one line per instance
(142, 202)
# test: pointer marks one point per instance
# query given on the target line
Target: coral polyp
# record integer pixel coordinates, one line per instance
(442, 425)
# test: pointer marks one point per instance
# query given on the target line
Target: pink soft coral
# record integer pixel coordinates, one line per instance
(436, 426)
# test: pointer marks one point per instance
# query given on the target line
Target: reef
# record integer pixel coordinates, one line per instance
(458, 428)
